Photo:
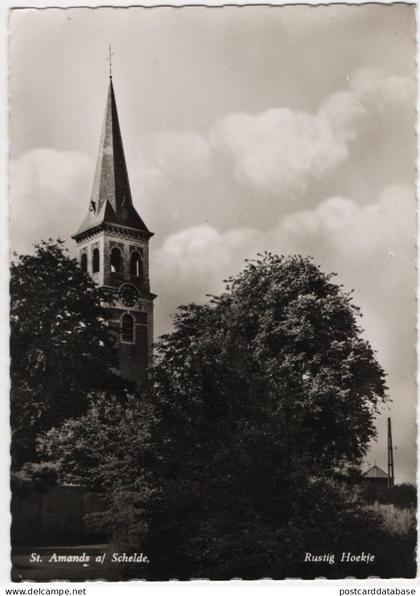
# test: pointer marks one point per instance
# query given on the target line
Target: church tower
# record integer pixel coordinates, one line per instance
(113, 247)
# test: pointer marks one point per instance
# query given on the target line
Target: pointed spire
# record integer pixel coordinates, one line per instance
(111, 200)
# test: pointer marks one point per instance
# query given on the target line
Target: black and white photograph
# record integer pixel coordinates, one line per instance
(212, 233)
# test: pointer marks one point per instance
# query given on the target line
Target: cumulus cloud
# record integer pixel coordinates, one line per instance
(340, 234)
(182, 154)
(146, 175)
(380, 228)
(280, 151)
(380, 91)
(371, 248)
(48, 188)
(189, 263)
(345, 115)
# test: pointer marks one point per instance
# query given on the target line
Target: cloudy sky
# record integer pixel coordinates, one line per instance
(289, 129)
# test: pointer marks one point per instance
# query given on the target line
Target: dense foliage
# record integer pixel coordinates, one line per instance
(226, 466)
(61, 348)
(402, 495)
(281, 348)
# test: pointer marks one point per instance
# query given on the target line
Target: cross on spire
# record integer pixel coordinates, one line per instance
(110, 54)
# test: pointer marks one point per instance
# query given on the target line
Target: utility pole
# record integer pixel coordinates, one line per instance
(390, 456)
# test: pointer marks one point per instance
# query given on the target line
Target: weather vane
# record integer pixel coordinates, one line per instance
(110, 54)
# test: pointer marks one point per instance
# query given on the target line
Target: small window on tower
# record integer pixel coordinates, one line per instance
(127, 329)
(136, 267)
(84, 262)
(95, 260)
(116, 260)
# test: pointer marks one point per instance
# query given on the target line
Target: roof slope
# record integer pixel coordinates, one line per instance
(111, 200)
(375, 472)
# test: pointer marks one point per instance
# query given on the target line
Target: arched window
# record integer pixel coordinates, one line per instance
(116, 260)
(84, 262)
(136, 266)
(95, 260)
(127, 329)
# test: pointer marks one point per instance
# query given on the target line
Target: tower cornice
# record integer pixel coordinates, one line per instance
(117, 230)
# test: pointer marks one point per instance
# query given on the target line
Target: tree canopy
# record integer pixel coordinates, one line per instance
(60, 344)
(255, 401)
(280, 354)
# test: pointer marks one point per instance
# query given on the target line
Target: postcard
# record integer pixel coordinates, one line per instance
(212, 284)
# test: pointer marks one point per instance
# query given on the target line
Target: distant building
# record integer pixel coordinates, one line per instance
(375, 479)
(113, 247)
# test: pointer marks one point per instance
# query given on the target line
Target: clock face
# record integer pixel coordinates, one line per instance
(128, 294)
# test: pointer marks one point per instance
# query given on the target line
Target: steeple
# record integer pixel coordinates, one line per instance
(113, 248)
(111, 201)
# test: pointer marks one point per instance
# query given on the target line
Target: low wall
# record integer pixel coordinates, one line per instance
(53, 517)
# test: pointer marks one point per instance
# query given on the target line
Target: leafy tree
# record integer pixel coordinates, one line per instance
(401, 495)
(103, 448)
(61, 347)
(41, 475)
(256, 402)
(269, 386)
(108, 449)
